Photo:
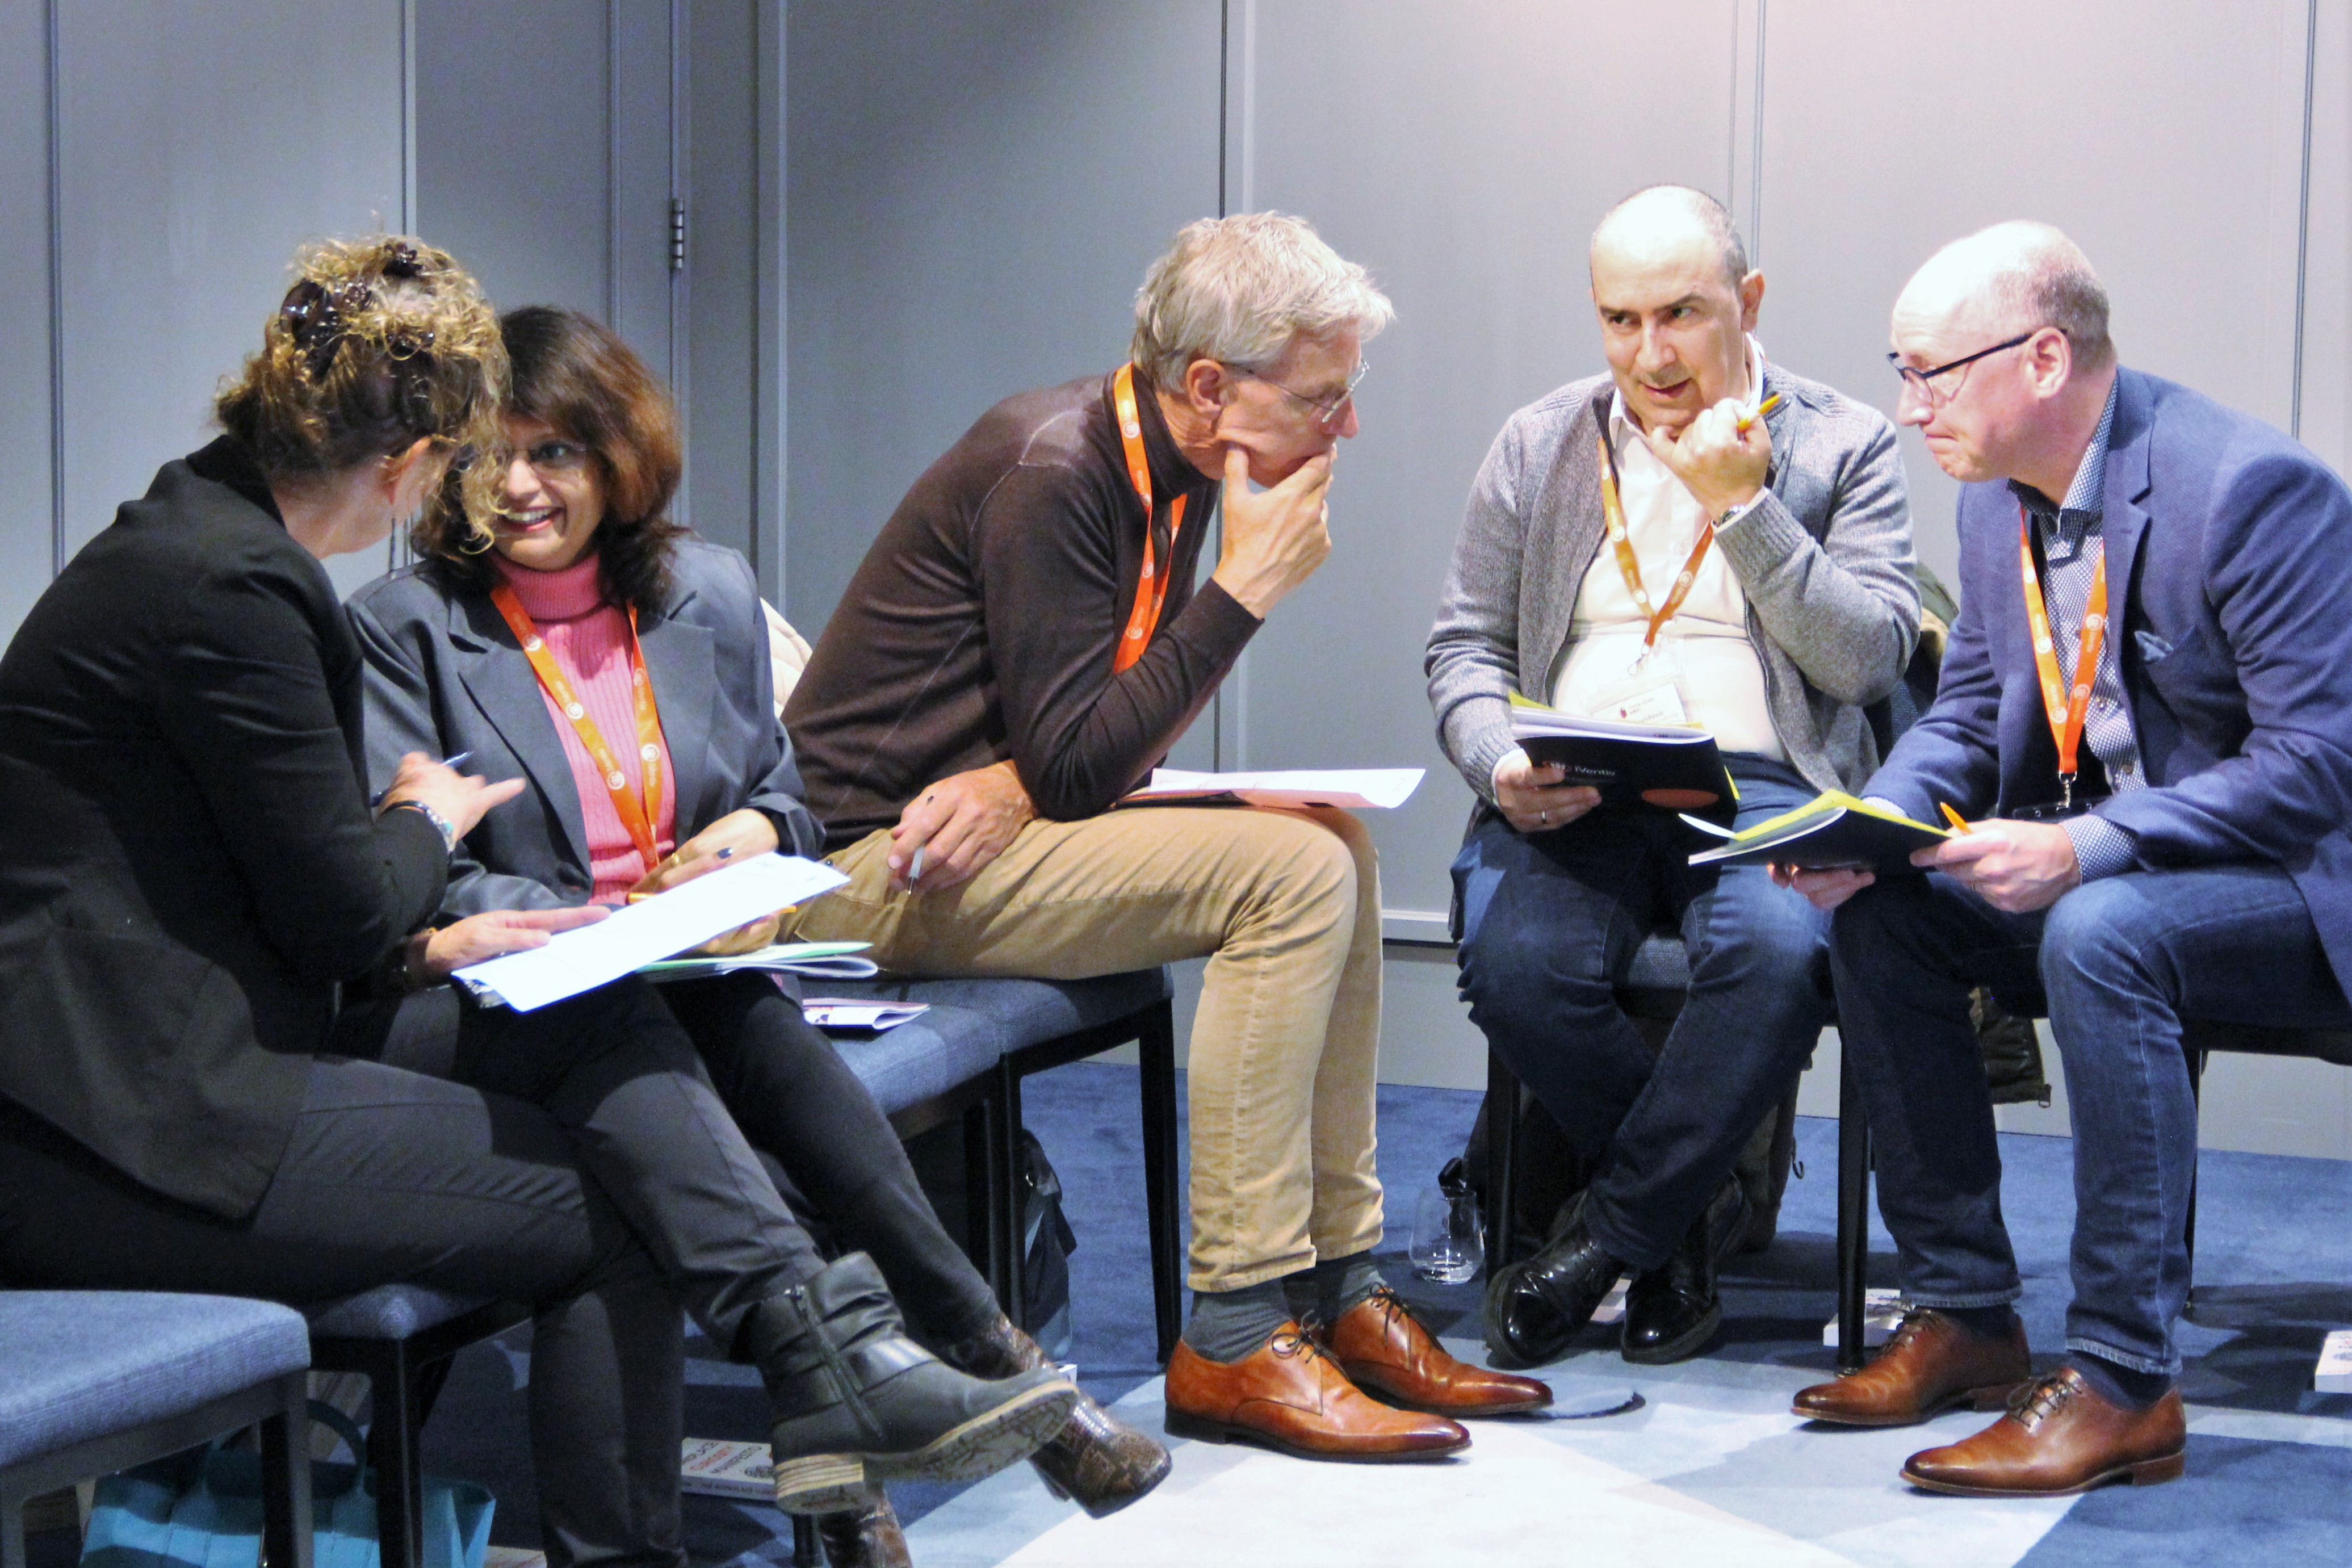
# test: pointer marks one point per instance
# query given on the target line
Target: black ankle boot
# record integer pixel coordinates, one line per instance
(1096, 1459)
(857, 1400)
(1672, 1311)
(866, 1537)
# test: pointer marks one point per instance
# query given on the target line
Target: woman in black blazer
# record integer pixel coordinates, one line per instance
(594, 462)
(191, 879)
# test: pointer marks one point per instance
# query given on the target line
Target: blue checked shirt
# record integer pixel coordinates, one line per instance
(2072, 548)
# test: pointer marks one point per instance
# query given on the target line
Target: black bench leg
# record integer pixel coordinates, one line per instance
(1156, 1049)
(1013, 1193)
(392, 1441)
(1852, 1219)
(285, 1477)
(808, 1551)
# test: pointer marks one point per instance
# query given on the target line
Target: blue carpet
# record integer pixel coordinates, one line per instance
(2274, 1254)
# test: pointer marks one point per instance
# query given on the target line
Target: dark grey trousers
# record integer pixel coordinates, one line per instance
(576, 1157)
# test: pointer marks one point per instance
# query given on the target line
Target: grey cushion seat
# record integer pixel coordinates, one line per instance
(75, 1366)
(974, 1023)
(389, 1312)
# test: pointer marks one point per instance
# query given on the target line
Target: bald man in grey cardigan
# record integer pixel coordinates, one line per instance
(1801, 609)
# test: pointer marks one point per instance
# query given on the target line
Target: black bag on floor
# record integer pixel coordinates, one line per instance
(1046, 1243)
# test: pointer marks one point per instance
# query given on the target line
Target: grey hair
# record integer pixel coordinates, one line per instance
(1711, 215)
(2046, 280)
(1238, 290)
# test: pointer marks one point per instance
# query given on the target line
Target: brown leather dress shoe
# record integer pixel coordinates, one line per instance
(1931, 1365)
(1096, 1459)
(2060, 1438)
(1290, 1396)
(865, 1537)
(1386, 1352)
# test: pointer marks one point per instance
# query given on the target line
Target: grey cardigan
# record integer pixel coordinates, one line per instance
(1825, 560)
(445, 675)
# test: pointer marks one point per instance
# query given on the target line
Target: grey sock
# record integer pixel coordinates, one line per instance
(1227, 1325)
(1342, 1282)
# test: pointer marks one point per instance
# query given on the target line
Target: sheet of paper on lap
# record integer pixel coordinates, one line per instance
(1354, 789)
(686, 915)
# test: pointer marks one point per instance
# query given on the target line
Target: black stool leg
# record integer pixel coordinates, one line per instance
(807, 1550)
(2188, 1231)
(1502, 1137)
(1852, 1219)
(1156, 1049)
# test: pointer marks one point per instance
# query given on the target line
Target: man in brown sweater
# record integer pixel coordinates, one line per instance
(1020, 646)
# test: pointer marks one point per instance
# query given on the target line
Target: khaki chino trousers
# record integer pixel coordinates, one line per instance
(1285, 906)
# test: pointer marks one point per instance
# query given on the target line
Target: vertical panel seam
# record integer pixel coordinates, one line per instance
(396, 547)
(1756, 146)
(2302, 212)
(615, 215)
(53, 129)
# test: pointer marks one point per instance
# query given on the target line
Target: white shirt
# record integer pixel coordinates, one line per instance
(1705, 649)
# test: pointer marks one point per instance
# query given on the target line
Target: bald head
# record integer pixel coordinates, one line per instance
(1660, 220)
(2010, 278)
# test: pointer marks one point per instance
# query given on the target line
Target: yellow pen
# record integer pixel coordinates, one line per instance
(1960, 824)
(1748, 421)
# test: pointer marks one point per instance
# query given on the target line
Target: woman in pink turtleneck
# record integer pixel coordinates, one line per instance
(583, 561)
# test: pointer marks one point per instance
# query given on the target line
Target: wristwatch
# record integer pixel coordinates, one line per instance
(441, 823)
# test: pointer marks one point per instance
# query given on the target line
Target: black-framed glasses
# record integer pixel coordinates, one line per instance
(1328, 410)
(1923, 381)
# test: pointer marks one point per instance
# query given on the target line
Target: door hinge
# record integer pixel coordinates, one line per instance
(676, 234)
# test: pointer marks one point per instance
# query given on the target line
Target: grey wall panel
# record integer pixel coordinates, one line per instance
(1464, 155)
(2171, 153)
(25, 430)
(512, 146)
(642, 165)
(974, 193)
(199, 144)
(721, 277)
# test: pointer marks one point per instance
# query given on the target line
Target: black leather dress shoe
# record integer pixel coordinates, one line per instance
(1672, 1311)
(1535, 1309)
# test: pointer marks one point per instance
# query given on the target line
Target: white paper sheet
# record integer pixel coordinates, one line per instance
(1354, 788)
(692, 913)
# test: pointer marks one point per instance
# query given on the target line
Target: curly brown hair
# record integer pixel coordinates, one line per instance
(380, 343)
(575, 375)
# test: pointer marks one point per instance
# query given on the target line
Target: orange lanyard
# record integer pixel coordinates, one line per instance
(1150, 585)
(2066, 709)
(1628, 565)
(638, 814)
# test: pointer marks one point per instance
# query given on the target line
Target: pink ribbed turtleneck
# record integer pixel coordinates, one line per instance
(590, 639)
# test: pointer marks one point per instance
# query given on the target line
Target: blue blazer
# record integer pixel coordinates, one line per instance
(445, 675)
(2230, 600)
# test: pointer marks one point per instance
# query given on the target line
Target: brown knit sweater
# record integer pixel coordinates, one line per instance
(983, 623)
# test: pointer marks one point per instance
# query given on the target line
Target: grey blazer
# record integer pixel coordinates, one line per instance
(444, 676)
(1825, 561)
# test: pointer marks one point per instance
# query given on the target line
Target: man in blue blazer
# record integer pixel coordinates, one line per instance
(2148, 699)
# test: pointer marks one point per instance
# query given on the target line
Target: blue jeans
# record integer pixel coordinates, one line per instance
(2117, 964)
(1550, 924)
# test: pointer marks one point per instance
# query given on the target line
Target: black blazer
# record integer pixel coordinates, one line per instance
(187, 864)
(445, 675)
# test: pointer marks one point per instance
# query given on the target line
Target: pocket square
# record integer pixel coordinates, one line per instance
(2152, 647)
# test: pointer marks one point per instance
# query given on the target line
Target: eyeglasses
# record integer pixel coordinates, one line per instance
(1328, 410)
(1923, 381)
(554, 457)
